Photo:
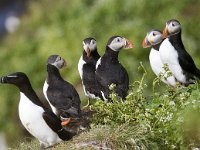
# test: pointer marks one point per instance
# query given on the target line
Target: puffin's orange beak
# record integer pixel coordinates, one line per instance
(64, 63)
(88, 52)
(129, 44)
(144, 43)
(164, 33)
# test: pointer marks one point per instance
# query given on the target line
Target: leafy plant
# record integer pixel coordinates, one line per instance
(161, 117)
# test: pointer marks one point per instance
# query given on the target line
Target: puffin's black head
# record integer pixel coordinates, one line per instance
(153, 37)
(89, 45)
(56, 61)
(172, 27)
(18, 78)
(116, 43)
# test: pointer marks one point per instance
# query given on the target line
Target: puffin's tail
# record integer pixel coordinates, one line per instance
(55, 124)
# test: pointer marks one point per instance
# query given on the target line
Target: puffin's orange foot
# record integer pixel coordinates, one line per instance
(65, 122)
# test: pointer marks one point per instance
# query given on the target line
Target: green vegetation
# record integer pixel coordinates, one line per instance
(167, 120)
(50, 27)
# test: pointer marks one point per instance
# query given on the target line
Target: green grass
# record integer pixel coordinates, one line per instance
(167, 120)
(118, 137)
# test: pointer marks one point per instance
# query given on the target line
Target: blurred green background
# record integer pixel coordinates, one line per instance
(58, 27)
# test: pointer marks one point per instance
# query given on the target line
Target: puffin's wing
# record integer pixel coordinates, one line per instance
(102, 83)
(52, 121)
(101, 80)
(55, 124)
(187, 63)
(123, 83)
(59, 99)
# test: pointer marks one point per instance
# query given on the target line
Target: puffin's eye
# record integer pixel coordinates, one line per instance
(173, 24)
(118, 40)
(59, 58)
(154, 34)
(93, 42)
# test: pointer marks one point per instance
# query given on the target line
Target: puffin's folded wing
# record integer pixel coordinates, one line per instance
(123, 84)
(52, 121)
(187, 63)
(55, 124)
(60, 100)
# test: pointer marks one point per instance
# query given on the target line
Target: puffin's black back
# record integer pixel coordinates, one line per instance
(111, 71)
(185, 60)
(61, 93)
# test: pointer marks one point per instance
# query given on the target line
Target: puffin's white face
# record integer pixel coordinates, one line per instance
(57, 61)
(89, 45)
(118, 43)
(152, 38)
(172, 27)
(92, 45)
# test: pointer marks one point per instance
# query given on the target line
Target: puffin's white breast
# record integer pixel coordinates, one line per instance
(169, 56)
(31, 117)
(155, 62)
(98, 63)
(80, 66)
(157, 67)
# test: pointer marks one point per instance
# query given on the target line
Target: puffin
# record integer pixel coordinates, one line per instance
(110, 71)
(60, 94)
(154, 39)
(87, 68)
(173, 53)
(38, 120)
